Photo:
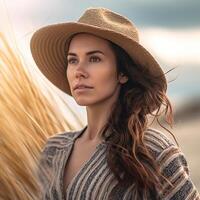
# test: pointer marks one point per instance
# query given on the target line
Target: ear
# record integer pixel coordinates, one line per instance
(122, 78)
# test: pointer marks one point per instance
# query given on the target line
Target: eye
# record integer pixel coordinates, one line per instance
(95, 59)
(71, 60)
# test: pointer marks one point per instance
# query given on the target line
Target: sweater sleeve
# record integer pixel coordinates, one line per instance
(175, 168)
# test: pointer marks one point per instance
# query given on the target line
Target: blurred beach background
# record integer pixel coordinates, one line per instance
(168, 29)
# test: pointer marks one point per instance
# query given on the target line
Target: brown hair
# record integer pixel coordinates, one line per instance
(139, 96)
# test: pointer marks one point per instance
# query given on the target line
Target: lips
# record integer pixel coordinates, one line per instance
(81, 86)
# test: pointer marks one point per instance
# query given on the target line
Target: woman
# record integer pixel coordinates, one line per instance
(100, 63)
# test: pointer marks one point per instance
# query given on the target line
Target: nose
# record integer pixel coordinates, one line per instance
(81, 71)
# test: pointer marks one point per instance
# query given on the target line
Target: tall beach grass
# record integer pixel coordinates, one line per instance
(27, 118)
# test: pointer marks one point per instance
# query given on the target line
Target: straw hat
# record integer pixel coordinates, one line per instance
(49, 44)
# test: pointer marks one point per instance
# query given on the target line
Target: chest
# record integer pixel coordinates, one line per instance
(80, 155)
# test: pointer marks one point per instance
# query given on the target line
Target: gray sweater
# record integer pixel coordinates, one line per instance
(95, 181)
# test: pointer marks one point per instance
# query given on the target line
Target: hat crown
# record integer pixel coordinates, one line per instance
(109, 20)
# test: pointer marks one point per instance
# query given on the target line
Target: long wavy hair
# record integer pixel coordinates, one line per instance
(141, 96)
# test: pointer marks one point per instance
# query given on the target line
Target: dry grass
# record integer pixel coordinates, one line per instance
(27, 119)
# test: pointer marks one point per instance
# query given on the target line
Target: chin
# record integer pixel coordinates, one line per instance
(83, 102)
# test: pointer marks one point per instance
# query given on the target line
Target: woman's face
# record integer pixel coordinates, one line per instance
(92, 62)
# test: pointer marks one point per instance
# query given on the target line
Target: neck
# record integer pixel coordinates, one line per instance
(97, 116)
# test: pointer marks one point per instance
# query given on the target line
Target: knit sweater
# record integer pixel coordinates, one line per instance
(95, 180)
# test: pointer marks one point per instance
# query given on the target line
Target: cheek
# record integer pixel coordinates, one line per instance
(106, 79)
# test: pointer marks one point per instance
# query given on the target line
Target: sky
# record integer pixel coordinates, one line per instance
(169, 29)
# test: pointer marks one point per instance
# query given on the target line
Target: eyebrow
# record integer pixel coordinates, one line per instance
(88, 53)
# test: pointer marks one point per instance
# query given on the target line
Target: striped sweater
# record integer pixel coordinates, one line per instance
(95, 180)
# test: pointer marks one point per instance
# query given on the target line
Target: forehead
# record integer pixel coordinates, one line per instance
(85, 41)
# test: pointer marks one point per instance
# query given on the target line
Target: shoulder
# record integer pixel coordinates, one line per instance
(157, 142)
(165, 151)
(173, 165)
(49, 153)
(58, 141)
(52, 147)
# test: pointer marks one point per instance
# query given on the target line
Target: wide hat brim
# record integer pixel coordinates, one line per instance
(49, 49)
